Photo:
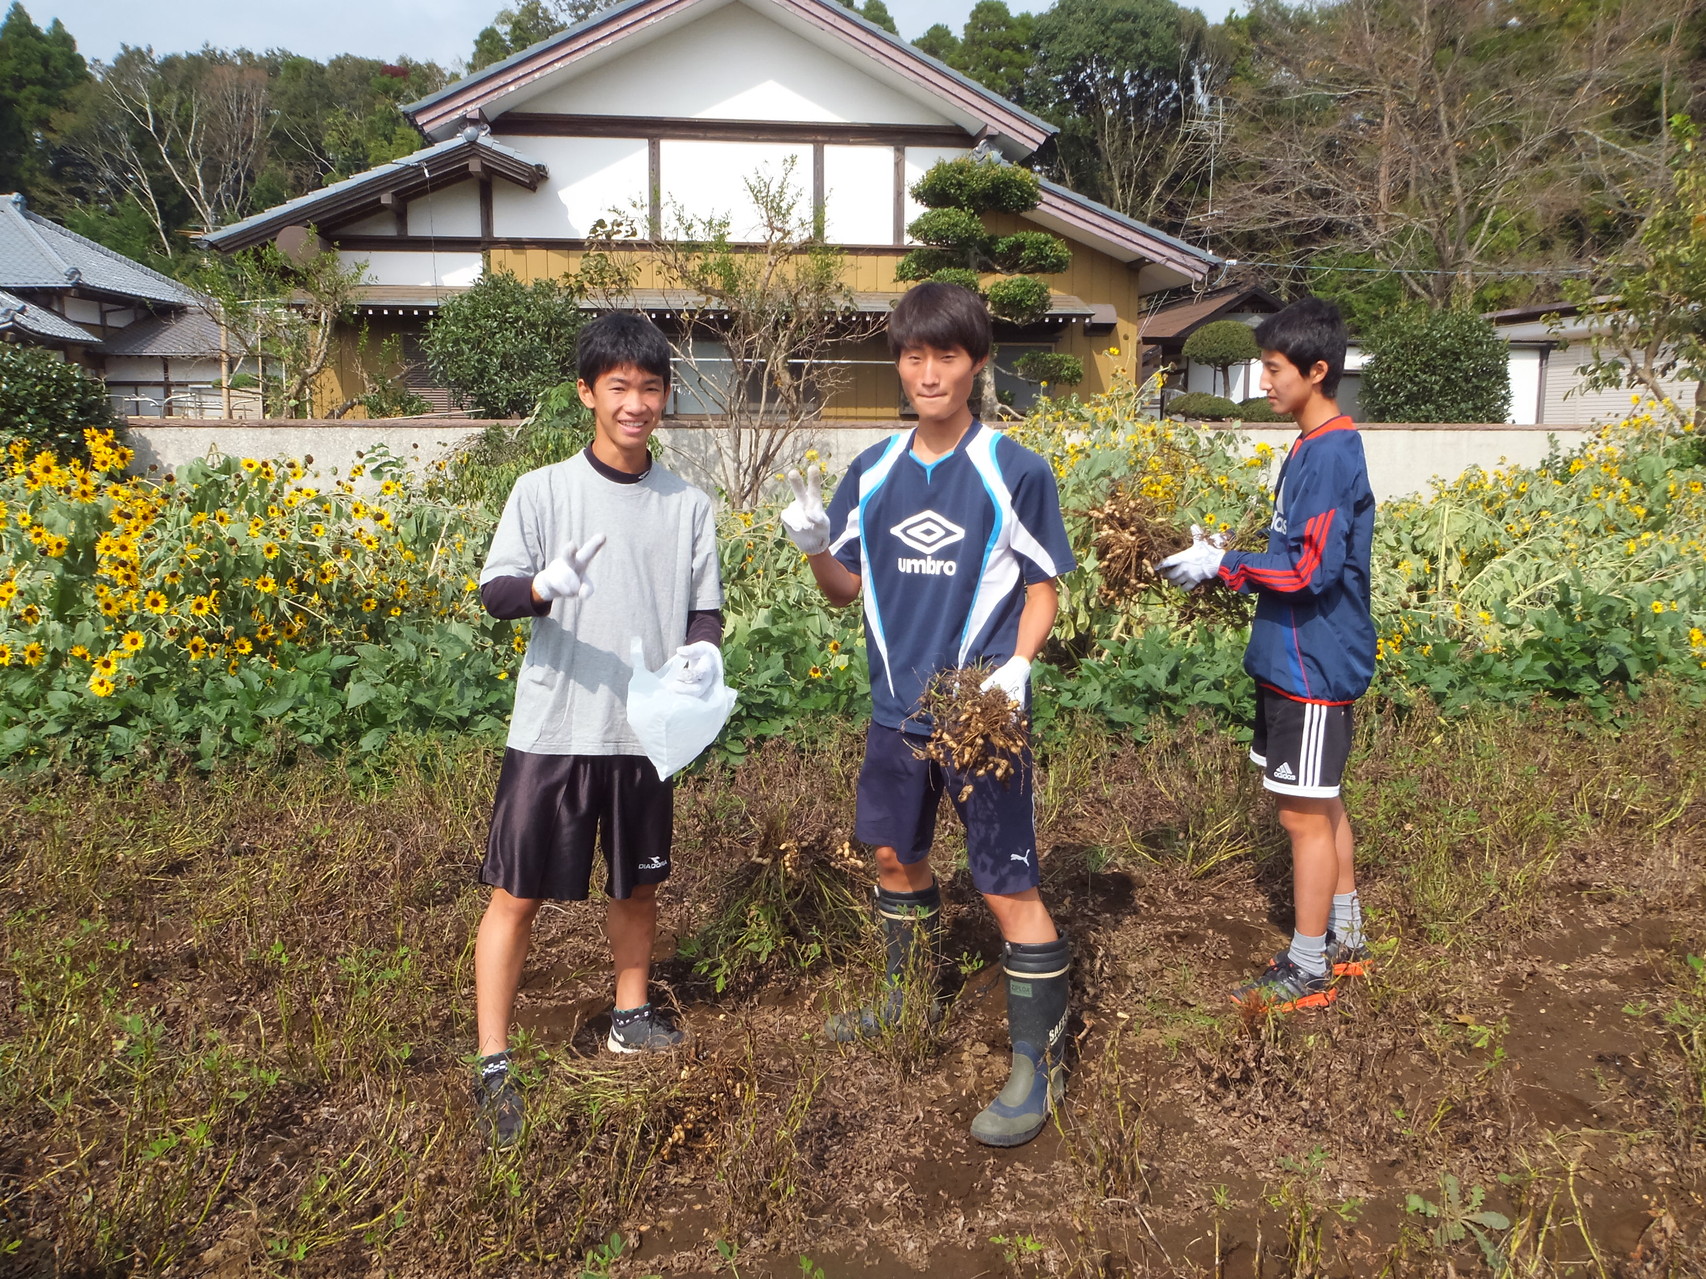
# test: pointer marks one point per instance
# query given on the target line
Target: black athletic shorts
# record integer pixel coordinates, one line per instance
(551, 808)
(900, 793)
(1301, 747)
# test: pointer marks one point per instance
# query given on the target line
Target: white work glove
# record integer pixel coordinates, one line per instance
(805, 520)
(695, 669)
(1194, 565)
(565, 577)
(1011, 677)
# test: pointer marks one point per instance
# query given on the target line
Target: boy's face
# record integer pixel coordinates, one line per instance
(626, 403)
(1287, 387)
(938, 380)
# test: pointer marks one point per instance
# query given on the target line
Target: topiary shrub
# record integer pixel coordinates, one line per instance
(1257, 409)
(503, 343)
(1198, 406)
(1021, 299)
(1050, 368)
(1439, 366)
(1221, 345)
(47, 402)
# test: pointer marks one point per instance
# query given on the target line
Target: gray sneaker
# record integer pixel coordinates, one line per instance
(642, 1030)
(1346, 961)
(502, 1112)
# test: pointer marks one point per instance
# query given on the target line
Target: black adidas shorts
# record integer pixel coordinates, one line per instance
(900, 793)
(1301, 747)
(551, 809)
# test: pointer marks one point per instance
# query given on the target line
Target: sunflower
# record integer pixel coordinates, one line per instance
(77, 650)
(154, 602)
(30, 615)
(201, 606)
(390, 488)
(197, 648)
(243, 646)
(131, 642)
(318, 530)
(369, 604)
(174, 577)
(8, 591)
(270, 550)
(249, 464)
(232, 668)
(107, 664)
(263, 633)
(395, 611)
(33, 653)
(816, 672)
(100, 686)
(265, 585)
(5, 654)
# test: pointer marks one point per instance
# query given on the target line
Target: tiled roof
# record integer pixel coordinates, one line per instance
(870, 303)
(15, 313)
(38, 254)
(1178, 318)
(421, 169)
(187, 333)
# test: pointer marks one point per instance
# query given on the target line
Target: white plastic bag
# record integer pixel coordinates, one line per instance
(673, 726)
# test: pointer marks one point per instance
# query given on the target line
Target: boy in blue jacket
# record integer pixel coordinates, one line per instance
(1311, 646)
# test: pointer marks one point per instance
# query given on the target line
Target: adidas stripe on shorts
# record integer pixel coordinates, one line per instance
(1301, 747)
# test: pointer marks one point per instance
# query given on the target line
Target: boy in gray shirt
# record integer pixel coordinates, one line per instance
(573, 772)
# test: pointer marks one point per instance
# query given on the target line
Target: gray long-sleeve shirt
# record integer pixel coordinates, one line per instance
(658, 566)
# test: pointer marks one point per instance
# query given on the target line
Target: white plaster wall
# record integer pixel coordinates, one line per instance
(918, 162)
(858, 184)
(452, 211)
(708, 179)
(416, 269)
(731, 64)
(1245, 378)
(379, 224)
(82, 310)
(588, 177)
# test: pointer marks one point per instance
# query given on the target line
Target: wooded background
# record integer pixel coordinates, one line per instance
(1464, 153)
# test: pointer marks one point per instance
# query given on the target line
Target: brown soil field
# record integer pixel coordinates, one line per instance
(237, 1017)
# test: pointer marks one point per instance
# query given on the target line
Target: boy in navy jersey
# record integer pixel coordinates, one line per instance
(1311, 646)
(953, 535)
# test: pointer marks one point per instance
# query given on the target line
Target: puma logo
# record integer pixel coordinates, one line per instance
(1020, 857)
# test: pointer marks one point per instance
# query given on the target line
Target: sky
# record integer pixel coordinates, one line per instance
(437, 30)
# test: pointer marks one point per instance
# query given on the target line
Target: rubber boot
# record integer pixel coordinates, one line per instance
(1036, 1023)
(911, 925)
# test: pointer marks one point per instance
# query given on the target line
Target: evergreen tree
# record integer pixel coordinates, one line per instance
(939, 42)
(38, 71)
(997, 47)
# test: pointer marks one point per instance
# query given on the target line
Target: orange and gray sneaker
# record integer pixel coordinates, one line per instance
(1285, 988)
(1347, 961)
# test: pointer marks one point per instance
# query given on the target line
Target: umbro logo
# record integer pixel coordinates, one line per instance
(1284, 774)
(927, 532)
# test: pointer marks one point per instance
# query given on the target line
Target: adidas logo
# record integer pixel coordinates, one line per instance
(1284, 774)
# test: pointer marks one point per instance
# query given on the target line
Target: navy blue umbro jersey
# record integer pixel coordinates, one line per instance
(1313, 636)
(945, 551)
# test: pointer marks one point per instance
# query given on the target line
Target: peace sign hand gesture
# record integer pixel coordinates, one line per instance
(565, 577)
(805, 520)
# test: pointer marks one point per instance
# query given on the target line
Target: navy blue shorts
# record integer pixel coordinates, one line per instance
(900, 793)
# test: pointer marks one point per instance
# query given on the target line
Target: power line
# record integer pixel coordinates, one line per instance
(1409, 270)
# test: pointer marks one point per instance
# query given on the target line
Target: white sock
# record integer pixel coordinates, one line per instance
(1310, 953)
(1347, 918)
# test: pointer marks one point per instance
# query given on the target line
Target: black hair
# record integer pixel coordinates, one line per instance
(1308, 330)
(617, 339)
(940, 315)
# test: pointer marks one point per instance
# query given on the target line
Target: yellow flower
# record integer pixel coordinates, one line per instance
(270, 550)
(77, 650)
(519, 643)
(395, 611)
(201, 606)
(369, 604)
(265, 585)
(390, 488)
(100, 686)
(154, 602)
(132, 642)
(263, 632)
(1658, 607)
(249, 464)
(33, 653)
(835, 646)
(197, 648)
(106, 664)
(7, 591)
(243, 646)
(816, 672)
(29, 615)
(5, 654)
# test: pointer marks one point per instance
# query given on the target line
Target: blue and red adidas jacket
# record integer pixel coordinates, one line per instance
(1313, 637)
